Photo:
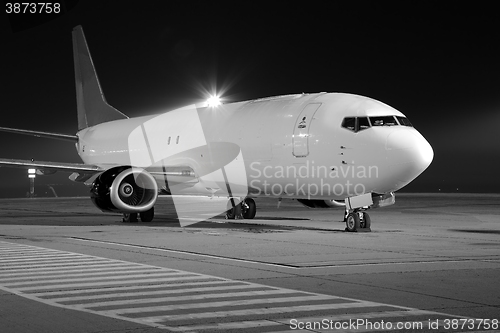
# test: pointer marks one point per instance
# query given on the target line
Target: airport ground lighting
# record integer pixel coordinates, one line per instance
(31, 176)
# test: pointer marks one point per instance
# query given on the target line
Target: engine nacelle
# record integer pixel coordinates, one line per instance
(315, 203)
(124, 189)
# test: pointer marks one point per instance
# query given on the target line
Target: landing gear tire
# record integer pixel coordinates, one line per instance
(366, 222)
(129, 217)
(233, 209)
(352, 222)
(234, 213)
(148, 215)
(249, 208)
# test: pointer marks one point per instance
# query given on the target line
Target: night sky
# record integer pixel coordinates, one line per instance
(437, 62)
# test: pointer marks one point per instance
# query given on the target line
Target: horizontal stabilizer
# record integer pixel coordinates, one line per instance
(57, 136)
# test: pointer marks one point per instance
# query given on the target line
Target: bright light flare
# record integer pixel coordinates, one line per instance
(214, 101)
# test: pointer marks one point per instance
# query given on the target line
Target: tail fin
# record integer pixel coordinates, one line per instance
(91, 104)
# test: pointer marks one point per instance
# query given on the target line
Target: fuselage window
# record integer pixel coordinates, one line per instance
(383, 121)
(404, 121)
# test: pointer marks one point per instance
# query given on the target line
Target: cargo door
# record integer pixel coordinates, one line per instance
(300, 137)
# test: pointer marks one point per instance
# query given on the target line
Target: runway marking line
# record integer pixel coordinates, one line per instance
(282, 265)
(176, 300)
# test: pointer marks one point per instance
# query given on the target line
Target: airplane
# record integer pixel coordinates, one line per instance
(324, 150)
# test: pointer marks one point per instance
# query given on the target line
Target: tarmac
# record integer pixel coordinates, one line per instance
(430, 264)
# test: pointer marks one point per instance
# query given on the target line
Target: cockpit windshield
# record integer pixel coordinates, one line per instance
(357, 124)
(404, 121)
(383, 121)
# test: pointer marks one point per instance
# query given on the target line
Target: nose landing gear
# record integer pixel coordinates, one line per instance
(358, 221)
(356, 218)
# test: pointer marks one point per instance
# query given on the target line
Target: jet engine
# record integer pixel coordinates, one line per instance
(124, 189)
(315, 203)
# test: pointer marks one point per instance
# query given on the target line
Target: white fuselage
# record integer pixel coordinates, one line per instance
(292, 146)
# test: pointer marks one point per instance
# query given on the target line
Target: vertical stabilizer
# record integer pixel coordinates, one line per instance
(91, 104)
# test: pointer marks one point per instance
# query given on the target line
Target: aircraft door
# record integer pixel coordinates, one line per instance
(300, 137)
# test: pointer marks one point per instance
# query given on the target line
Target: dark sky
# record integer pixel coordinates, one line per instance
(437, 62)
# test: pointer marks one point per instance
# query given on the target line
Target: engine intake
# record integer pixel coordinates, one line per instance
(124, 189)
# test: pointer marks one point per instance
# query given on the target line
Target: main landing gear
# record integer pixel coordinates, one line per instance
(241, 210)
(146, 216)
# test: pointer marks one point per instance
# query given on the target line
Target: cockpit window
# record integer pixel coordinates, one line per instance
(349, 123)
(356, 124)
(383, 121)
(363, 123)
(404, 121)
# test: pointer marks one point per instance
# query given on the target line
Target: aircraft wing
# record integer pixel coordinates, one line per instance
(82, 171)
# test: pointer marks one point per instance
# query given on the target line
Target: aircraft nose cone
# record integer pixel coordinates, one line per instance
(409, 154)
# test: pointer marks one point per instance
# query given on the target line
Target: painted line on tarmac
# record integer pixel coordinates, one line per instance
(185, 252)
(282, 265)
(177, 300)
